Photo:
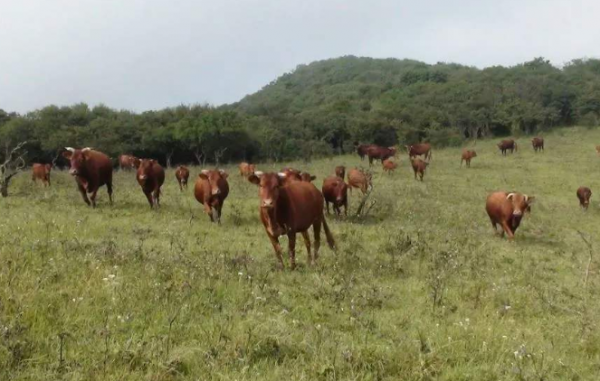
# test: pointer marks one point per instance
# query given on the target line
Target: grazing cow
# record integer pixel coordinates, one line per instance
(538, 144)
(420, 149)
(507, 209)
(128, 162)
(335, 191)
(380, 153)
(290, 208)
(359, 179)
(467, 155)
(246, 169)
(507, 144)
(91, 169)
(419, 167)
(340, 171)
(41, 172)
(362, 149)
(182, 174)
(211, 190)
(389, 166)
(151, 176)
(584, 194)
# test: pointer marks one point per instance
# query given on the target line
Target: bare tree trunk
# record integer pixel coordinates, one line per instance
(13, 164)
(169, 156)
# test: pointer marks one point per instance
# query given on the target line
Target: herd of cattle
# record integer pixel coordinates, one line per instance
(289, 202)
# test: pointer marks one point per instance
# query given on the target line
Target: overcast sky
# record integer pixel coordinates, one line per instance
(150, 54)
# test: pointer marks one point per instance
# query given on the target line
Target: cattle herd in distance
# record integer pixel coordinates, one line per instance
(289, 202)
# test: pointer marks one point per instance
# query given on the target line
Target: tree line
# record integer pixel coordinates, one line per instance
(325, 108)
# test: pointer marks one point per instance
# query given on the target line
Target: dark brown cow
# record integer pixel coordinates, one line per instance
(335, 191)
(151, 176)
(467, 155)
(182, 174)
(389, 166)
(128, 162)
(246, 169)
(290, 208)
(419, 166)
(584, 194)
(340, 171)
(506, 209)
(362, 149)
(211, 190)
(380, 153)
(91, 169)
(507, 144)
(41, 172)
(537, 144)
(359, 179)
(420, 149)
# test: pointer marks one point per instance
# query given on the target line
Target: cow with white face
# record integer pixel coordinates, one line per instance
(91, 169)
(507, 209)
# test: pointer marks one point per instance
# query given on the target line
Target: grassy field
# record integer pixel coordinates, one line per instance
(419, 289)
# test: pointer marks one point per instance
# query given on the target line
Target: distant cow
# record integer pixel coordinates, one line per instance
(361, 149)
(538, 144)
(584, 194)
(598, 150)
(41, 172)
(467, 155)
(507, 144)
(507, 209)
(340, 171)
(128, 162)
(211, 190)
(419, 166)
(292, 174)
(289, 209)
(151, 176)
(182, 174)
(91, 169)
(389, 166)
(420, 149)
(359, 179)
(380, 153)
(335, 191)
(246, 169)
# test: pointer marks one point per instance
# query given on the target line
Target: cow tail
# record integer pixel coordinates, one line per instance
(330, 240)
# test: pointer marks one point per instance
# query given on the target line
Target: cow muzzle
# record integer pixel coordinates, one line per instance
(267, 203)
(216, 192)
(73, 172)
(143, 177)
(518, 213)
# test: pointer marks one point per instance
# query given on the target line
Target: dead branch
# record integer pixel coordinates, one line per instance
(14, 163)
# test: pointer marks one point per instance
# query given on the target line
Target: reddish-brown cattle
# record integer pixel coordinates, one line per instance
(290, 208)
(584, 194)
(537, 144)
(335, 191)
(340, 171)
(380, 153)
(467, 155)
(359, 179)
(128, 162)
(211, 190)
(598, 150)
(41, 172)
(151, 176)
(91, 169)
(419, 166)
(246, 169)
(182, 174)
(389, 166)
(507, 144)
(420, 149)
(506, 209)
(362, 149)
(291, 174)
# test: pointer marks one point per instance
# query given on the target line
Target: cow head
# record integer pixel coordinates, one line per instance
(521, 203)
(307, 177)
(341, 191)
(393, 150)
(48, 167)
(408, 148)
(269, 185)
(78, 159)
(473, 153)
(213, 178)
(145, 169)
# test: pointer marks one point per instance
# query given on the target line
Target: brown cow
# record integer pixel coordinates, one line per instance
(507, 209)
(151, 176)
(359, 179)
(598, 150)
(380, 153)
(340, 171)
(584, 194)
(182, 174)
(538, 144)
(419, 166)
(211, 190)
(91, 170)
(289, 209)
(41, 172)
(292, 174)
(507, 144)
(335, 191)
(467, 155)
(361, 149)
(128, 162)
(389, 166)
(246, 169)
(420, 149)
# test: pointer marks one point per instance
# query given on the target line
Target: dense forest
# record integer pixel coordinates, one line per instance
(324, 108)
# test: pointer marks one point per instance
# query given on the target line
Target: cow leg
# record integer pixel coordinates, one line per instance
(157, 196)
(327, 206)
(507, 229)
(277, 248)
(317, 231)
(346, 207)
(415, 174)
(93, 197)
(150, 199)
(307, 244)
(83, 194)
(109, 189)
(292, 248)
(217, 212)
(48, 180)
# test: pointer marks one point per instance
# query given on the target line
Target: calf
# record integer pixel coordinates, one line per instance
(419, 166)
(359, 179)
(467, 155)
(507, 209)
(151, 176)
(584, 194)
(290, 208)
(420, 149)
(41, 172)
(335, 191)
(182, 174)
(507, 144)
(340, 171)
(246, 169)
(128, 162)
(538, 144)
(389, 166)
(91, 170)
(211, 190)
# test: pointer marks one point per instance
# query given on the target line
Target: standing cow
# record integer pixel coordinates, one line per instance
(335, 191)
(380, 153)
(389, 166)
(467, 155)
(340, 171)
(151, 176)
(91, 169)
(584, 194)
(361, 149)
(537, 144)
(420, 149)
(128, 162)
(507, 144)
(246, 169)
(419, 166)
(507, 209)
(290, 208)
(211, 190)
(41, 172)
(182, 174)
(359, 179)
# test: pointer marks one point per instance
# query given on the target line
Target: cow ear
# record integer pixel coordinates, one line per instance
(223, 173)
(203, 174)
(254, 179)
(530, 199)
(510, 196)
